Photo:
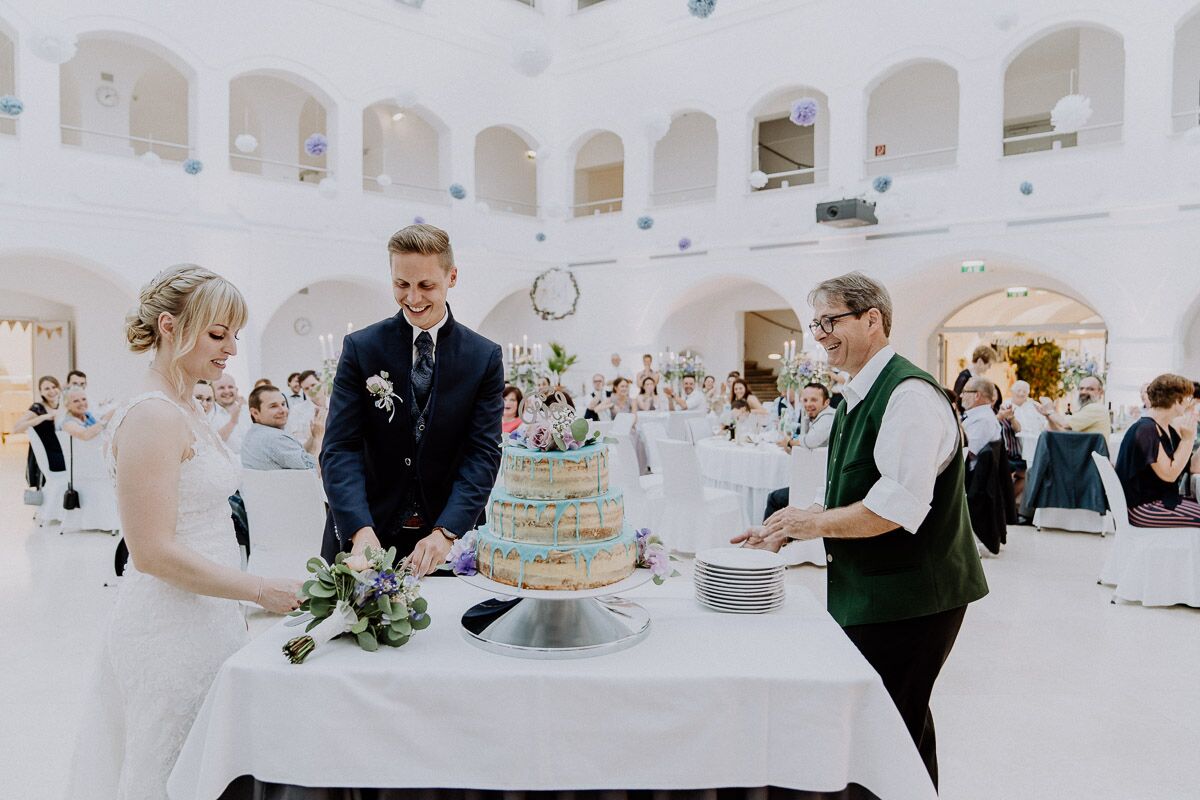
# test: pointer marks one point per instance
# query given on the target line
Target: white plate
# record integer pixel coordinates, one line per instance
(740, 558)
(773, 575)
(724, 610)
(723, 594)
(767, 586)
(721, 601)
(739, 571)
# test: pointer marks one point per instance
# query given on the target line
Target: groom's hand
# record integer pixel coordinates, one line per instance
(360, 541)
(429, 554)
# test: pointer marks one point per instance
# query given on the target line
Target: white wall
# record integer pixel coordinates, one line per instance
(1102, 80)
(1185, 94)
(914, 110)
(503, 172)
(408, 149)
(686, 158)
(281, 115)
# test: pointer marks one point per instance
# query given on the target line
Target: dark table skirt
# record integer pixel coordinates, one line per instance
(246, 788)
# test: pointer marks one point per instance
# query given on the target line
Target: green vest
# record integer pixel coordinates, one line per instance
(896, 575)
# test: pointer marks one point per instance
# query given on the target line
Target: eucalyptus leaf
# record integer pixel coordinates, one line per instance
(402, 627)
(421, 622)
(420, 605)
(360, 626)
(558, 440)
(318, 589)
(385, 605)
(307, 587)
(389, 558)
(314, 564)
(579, 430)
(368, 642)
(314, 623)
(339, 558)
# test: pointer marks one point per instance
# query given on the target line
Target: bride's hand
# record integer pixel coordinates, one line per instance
(279, 595)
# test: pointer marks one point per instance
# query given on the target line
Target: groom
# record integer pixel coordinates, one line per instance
(411, 446)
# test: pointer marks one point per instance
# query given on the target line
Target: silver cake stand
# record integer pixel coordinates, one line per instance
(544, 624)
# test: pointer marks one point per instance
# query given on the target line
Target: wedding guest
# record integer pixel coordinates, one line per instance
(1156, 452)
(1025, 411)
(41, 418)
(727, 386)
(203, 394)
(543, 386)
(76, 420)
(614, 369)
(76, 379)
(622, 403)
(262, 382)
(692, 398)
(647, 399)
(266, 446)
(312, 410)
(598, 399)
(714, 400)
(902, 563)
(1010, 426)
(1092, 416)
(979, 420)
(982, 358)
(228, 419)
(294, 392)
(511, 419)
(738, 413)
(558, 390)
(740, 390)
(815, 423)
(648, 371)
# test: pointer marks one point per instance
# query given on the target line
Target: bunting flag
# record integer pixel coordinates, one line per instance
(11, 323)
(24, 324)
(49, 332)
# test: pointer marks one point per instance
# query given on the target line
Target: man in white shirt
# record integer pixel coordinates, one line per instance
(229, 418)
(614, 370)
(979, 421)
(692, 398)
(1025, 410)
(309, 414)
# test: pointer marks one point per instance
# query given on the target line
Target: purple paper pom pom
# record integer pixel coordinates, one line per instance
(316, 145)
(685, 243)
(804, 112)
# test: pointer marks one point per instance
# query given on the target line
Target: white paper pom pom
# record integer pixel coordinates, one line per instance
(1071, 113)
(328, 187)
(245, 143)
(384, 179)
(758, 179)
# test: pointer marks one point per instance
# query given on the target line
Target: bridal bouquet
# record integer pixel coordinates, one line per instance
(377, 604)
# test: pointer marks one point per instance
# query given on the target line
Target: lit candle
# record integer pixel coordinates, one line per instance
(524, 342)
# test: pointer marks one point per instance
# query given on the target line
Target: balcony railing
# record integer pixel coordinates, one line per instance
(74, 135)
(597, 207)
(806, 176)
(286, 170)
(911, 162)
(1053, 140)
(509, 206)
(691, 194)
(1183, 120)
(408, 191)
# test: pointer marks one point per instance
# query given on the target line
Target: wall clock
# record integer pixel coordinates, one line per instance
(302, 326)
(107, 96)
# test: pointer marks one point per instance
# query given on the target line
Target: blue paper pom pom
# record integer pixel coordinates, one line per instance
(11, 105)
(541, 237)
(804, 112)
(193, 166)
(645, 223)
(701, 8)
(457, 191)
(685, 243)
(1026, 188)
(882, 183)
(316, 145)
(418, 220)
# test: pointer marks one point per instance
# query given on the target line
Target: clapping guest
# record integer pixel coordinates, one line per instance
(41, 418)
(647, 399)
(266, 445)
(692, 398)
(77, 421)
(511, 419)
(713, 398)
(228, 419)
(598, 400)
(1156, 451)
(622, 403)
(313, 409)
(648, 370)
(202, 393)
(1092, 416)
(1025, 411)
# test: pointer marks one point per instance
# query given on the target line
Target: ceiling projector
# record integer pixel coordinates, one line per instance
(847, 213)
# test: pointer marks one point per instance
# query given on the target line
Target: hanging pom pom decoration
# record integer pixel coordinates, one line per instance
(1071, 113)
(245, 143)
(10, 105)
(457, 191)
(418, 220)
(541, 237)
(685, 244)
(758, 179)
(645, 223)
(1026, 188)
(327, 187)
(55, 48)
(882, 183)
(383, 179)
(316, 145)
(193, 166)
(150, 159)
(804, 112)
(701, 9)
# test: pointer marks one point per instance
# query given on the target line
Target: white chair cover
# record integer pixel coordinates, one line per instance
(97, 496)
(51, 509)
(677, 424)
(695, 516)
(605, 427)
(286, 515)
(622, 424)
(1151, 566)
(807, 483)
(642, 494)
(699, 427)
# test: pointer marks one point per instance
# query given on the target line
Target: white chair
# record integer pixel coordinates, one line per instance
(622, 424)
(807, 483)
(699, 428)
(695, 516)
(605, 428)
(653, 432)
(642, 493)
(677, 424)
(286, 515)
(1151, 566)
(97, 495)
(51, 509)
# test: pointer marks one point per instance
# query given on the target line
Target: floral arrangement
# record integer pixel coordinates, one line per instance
(645, 223)
(457, 191)
(882, 183)
(1026, 188)
(461, 558)
(554, 294)
(804, 112)
(10, 105)
(652, 554)
(685, 363)
(1074, 367)
(373, 600)
(701, 9)
(524, 370)
(551, 428)
(1037, 362)
(801, 370)
(193, 166)
(379, 387)
(316, 145)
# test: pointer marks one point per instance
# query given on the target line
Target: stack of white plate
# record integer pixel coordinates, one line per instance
(740, 581)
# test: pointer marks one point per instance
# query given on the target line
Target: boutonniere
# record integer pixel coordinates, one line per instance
(381, 389)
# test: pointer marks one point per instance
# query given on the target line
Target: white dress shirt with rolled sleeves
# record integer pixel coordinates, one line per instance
(982, 428)
(918, 438)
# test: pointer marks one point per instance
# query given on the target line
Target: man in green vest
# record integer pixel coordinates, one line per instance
(901, 554)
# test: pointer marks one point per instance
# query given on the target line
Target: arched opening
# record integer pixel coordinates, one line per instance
(513, 323)
(278, 127)
(1013, 317)
(599, 175)
(1185, 99)
(402, 153)
(685, 160)
(912, 119)
(120, 97)
(791, 154)
(66, 315)
(506, 171)
(327, 309)
(8, 76)
(1086, 61)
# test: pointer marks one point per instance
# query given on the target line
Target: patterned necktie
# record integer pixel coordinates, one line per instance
(422, 370)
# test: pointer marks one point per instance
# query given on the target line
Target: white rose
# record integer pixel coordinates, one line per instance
(376, 384)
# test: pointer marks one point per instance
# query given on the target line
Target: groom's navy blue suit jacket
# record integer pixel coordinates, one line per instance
(368, 463)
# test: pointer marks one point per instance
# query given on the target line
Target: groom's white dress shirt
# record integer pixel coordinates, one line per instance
(919, 431)
(433, 334)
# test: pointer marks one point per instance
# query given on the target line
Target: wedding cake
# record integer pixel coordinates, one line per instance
(556, 524)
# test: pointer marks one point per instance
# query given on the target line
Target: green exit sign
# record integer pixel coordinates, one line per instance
(1017, 291)
(972, 266)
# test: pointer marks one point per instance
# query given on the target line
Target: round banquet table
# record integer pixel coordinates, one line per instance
(706, 700)
(753, 471)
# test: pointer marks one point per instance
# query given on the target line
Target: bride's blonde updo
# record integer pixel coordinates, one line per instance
(196, 297)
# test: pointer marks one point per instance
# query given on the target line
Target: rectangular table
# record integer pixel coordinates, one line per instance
(706, 700)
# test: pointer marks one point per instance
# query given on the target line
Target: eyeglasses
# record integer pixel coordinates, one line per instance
(826, 323)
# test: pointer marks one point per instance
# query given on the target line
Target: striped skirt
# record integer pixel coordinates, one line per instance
(1156, 515)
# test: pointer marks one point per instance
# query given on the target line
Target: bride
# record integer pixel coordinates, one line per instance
(176, 618)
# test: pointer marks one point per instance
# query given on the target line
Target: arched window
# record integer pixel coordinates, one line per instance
(1084, 61)
(1185, 102)
(506, 171)
(402, 153)
(599, 175)
(912, 119)
(8, 76)
(278, 127)
(791, 154)
(685, 160)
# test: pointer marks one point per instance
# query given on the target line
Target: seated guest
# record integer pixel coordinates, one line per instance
(815, 423)
(786, 405)
(76, 379)
(294, 392)
(543, 386)
(982, 359)
(979, 420)
(511, 419)
(1092, 416)
(262, 382)
(1010, 426)
(41, 418)
(229, 420)
(648, 371)
(738, 413)
(202, 393)
(714, 400)
(1025, 411)
(622, 403)
(598, 399)
(647, 399)
(557, 391)
(740, 390)
(77, 421)
(692, 398)
(1156, 451)
(265, 445)
(304, 413)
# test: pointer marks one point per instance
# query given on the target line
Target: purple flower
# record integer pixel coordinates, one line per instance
(569, 440)
(659, 561)
(418, 220)
(540, 436)
(462, 555)
(804, 112)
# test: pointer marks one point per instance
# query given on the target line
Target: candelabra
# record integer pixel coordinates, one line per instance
(524, 366)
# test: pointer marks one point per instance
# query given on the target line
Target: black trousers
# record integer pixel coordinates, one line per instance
(908, 655)
(776, 500)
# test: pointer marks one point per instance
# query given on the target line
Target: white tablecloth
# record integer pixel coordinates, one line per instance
(754, 471)
(706, 700)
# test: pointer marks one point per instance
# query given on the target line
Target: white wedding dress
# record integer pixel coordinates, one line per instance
(163, 645)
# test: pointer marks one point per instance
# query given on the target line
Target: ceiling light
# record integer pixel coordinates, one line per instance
(399, 115)
(531, 154)
(774, 356)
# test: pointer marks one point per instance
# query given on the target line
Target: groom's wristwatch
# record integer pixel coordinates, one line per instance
(449, 536)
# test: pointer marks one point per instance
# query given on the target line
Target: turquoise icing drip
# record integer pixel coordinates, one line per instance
(521, 507)
(528, 553)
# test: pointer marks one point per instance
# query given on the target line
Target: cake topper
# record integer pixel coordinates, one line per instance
(549, 424)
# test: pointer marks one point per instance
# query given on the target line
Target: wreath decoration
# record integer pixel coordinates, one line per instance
(550, 293)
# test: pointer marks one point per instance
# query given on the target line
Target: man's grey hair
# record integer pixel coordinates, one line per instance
(72, 391)
(857, 292)
(1096, 378)
(985, 388)
(1020, 386)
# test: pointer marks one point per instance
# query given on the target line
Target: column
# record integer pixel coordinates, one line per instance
(347, 144)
